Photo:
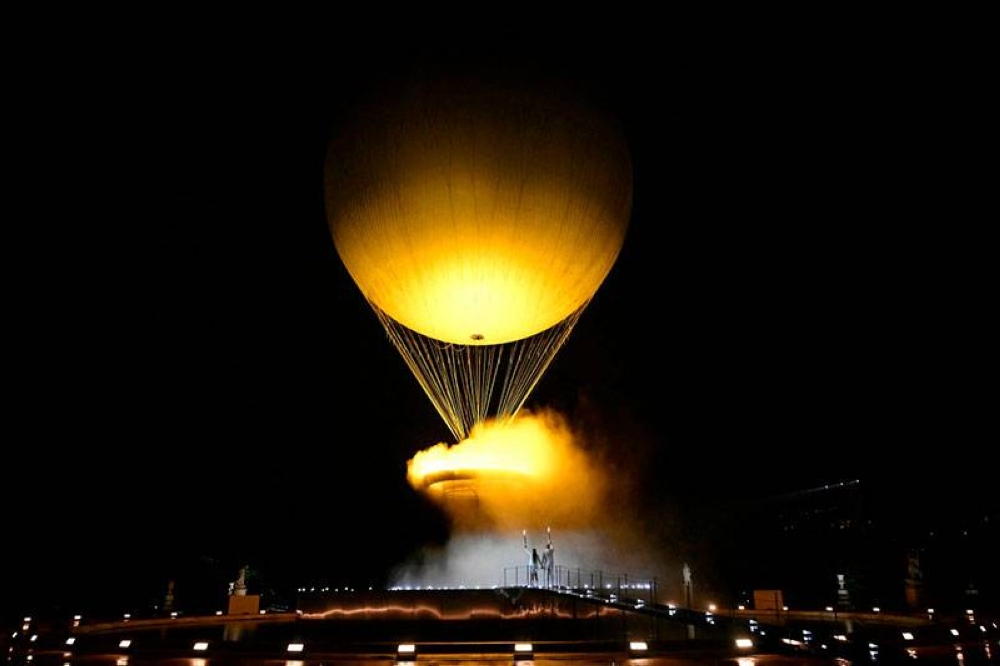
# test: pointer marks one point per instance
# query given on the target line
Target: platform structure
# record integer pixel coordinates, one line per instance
(581, 617)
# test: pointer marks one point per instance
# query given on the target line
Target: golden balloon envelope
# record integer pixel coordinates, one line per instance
(478, 213)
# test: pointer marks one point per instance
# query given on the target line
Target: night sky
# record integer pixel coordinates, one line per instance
(803, 297)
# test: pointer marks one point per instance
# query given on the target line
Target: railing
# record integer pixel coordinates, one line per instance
(589, 582)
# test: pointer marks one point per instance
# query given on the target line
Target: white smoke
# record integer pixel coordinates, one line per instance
(595, 531)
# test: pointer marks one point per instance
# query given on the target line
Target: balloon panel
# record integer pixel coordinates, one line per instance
(477, 216)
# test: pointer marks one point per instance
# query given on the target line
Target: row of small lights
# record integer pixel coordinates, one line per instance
(807, 634)
(627, 586)
(970, 614)
(875, 609)
(409, 650)
(404, 650)
(609, 586)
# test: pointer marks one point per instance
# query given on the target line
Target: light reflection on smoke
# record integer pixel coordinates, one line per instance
(534, 474)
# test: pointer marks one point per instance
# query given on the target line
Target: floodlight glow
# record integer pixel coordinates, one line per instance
(296, 647)
(124, 643)
(406, 648)
(907, 636)
(523, 647)
(70, 640)
(201, 646)
(744, 643)
(954, 632)
(638, 646)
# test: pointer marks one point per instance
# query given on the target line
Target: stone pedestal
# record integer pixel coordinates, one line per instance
(915, 594)
(244, 604)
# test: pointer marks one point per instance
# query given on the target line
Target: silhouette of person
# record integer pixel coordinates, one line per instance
(549, 564)
(527, 553)
(536, 564)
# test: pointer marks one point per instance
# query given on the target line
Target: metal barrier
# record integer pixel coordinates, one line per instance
(587, 582)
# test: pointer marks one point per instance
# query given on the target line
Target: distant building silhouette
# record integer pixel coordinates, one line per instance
(836, 545)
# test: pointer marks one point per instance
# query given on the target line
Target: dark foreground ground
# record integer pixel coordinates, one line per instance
(498, 626)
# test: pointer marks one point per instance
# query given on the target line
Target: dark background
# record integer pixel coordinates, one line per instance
(194, 383)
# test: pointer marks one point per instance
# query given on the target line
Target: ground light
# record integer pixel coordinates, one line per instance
(406, 653)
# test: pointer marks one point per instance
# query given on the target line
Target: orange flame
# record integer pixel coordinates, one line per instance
(525, 472)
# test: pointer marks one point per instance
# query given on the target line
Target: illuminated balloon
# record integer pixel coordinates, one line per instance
(477, 213)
